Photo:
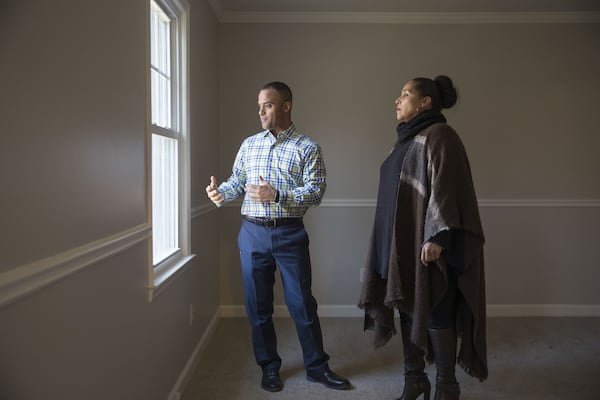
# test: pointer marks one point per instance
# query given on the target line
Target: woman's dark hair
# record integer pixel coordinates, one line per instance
(441, 90)
(284, 90)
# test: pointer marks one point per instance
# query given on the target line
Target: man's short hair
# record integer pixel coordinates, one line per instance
(284, 90)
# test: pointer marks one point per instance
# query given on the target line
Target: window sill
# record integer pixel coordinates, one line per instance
(163, 275)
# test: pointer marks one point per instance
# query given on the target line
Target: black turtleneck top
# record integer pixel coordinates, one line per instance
(389, 178)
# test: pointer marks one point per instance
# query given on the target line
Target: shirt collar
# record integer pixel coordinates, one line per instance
(287, 133)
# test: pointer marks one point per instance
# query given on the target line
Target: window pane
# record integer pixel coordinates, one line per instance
(165, 227)
(164, 49)
(153, 38)
(161, 100)
(160, 63)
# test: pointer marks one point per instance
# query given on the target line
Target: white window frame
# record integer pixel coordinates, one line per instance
(161, 274)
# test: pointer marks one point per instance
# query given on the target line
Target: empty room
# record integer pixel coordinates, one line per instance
(137, 229)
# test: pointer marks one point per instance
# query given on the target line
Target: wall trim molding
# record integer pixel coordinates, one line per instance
(190, 366)
(540, 202)
(202, 209)
(493, 310)
(502, 203)
(547, 203)
(26, 279)
(525, 17)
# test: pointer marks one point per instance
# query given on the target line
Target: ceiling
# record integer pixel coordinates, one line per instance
(399, 6)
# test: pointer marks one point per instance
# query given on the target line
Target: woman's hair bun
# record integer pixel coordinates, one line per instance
(447, 91)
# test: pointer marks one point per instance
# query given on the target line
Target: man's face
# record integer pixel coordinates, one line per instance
(273, 111)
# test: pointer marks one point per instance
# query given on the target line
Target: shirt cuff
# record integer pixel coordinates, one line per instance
(283, 197)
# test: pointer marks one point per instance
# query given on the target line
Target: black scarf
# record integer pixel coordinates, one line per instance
(408, 130)
(389, 177)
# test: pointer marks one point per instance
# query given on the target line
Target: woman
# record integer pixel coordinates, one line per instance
(426, 252)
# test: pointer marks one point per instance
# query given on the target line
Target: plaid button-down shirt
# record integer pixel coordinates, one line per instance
(291, 162)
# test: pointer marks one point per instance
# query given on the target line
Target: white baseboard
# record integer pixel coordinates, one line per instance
(280, 311)
(188, 371)
(543, 310)
(493, 310)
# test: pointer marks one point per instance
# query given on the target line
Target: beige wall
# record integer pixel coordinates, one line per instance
(528, 94)
(73, 171)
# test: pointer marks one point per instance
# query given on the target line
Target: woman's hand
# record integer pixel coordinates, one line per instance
(430, 252)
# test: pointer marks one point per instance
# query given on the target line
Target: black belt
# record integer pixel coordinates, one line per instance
(274, 222)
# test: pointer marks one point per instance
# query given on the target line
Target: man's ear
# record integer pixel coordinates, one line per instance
(287, 106)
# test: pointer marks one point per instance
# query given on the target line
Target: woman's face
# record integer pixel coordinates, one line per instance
(409, 104)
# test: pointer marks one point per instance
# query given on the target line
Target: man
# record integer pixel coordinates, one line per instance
(282, 174)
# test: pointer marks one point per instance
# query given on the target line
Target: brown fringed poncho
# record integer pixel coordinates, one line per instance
(435, 193)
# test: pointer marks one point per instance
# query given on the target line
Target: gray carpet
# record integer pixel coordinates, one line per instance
(529, 359)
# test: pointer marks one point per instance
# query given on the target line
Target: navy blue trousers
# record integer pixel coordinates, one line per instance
(262, 249)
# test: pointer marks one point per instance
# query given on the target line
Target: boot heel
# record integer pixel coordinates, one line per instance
(415, 386)
(426, 392)
(447, 391)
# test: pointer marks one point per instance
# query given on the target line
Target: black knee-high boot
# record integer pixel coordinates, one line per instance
(443, 342)
(415, 379)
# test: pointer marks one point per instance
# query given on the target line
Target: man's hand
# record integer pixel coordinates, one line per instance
(212, 190)
(263, 192)
(430, 252)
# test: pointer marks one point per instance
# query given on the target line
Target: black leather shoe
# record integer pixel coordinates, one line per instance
(330, 380)
(271, 381)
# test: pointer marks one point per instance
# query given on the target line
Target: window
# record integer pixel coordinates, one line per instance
(169, 115)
